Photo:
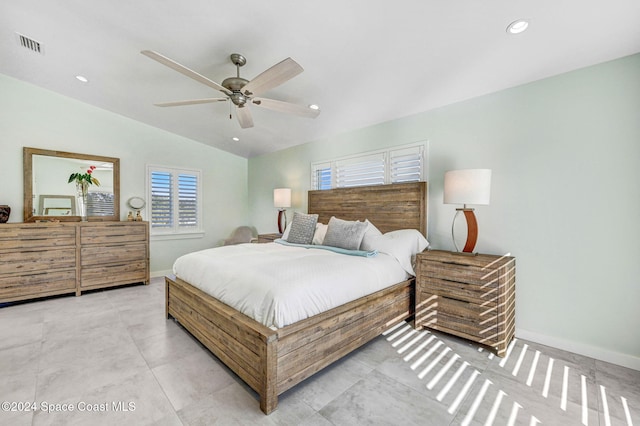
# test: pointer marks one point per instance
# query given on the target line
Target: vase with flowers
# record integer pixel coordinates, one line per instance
(83, 181)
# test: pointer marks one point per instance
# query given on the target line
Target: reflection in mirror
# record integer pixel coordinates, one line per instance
(50, 176)
(56, 205)
(49, 195)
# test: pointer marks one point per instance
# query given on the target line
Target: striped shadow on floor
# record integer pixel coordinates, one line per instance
(545, 387)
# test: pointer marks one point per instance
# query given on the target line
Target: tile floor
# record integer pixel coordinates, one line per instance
(112, 358)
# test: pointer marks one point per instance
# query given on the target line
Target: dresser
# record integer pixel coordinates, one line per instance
(45, 259)
(468, 296)
(113, 253)
(36, 260)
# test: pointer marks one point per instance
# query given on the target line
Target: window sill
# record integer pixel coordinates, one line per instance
(176, 236)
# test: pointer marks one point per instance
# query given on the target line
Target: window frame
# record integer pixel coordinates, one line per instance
(175, 231)
(387, 154)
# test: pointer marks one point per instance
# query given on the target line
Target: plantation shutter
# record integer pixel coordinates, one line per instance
(176, 204)
(394, 165)
(161, 200)
(406, 165)
(321, 176)
(360, 171)
(187, 200)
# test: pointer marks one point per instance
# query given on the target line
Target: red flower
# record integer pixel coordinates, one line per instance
(80, 178)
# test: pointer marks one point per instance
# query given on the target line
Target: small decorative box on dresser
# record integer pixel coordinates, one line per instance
(469, 296)
(45, 259)
(268, 238)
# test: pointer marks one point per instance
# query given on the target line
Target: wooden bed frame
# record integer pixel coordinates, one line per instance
(272, 361)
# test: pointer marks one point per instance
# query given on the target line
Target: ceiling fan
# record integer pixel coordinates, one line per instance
(240, 91)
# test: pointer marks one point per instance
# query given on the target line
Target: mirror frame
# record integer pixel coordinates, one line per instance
(28, 184)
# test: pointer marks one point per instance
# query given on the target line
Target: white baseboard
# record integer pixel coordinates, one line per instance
(601, 354)
(155, 274)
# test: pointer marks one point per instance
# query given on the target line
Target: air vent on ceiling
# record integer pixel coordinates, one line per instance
(29, 43)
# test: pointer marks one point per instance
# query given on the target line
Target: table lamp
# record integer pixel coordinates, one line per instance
(471, 186)
(281, 201)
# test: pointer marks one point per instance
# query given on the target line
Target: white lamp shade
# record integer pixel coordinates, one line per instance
(282, 198)
(471, 186)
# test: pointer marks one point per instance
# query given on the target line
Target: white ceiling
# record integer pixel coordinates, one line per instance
(365, 61)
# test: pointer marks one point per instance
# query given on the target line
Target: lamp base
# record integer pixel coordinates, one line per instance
(472, 231)
(282, 224)
(464, 253)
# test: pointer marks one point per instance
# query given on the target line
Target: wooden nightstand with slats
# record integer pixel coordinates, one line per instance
(268, 238)
(469, 296)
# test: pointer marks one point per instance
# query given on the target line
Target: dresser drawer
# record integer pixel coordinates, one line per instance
(458, 316)
(109, 275)
(34, 285)
(482, 295)
(105, 254)
(36, 236)
(478, 275)
(16, 262)
(113, 233)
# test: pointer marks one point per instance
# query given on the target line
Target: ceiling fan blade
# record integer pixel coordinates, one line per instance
(190, 102)
(274, 76)
(244, 117)
(183, 70)
(287, 107)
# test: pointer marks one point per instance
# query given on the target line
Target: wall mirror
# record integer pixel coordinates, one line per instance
(48, 195)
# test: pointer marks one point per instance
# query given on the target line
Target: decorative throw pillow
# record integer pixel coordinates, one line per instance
(345, 234)
(303, 227)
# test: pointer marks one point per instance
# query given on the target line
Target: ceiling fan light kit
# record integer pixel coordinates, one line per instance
(241, 91)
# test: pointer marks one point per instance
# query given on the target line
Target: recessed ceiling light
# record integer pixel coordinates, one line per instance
(516, 27)
(235, 139)
(314, 106)
(82, 78)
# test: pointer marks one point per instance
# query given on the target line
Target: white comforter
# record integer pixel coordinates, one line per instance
(278, 285)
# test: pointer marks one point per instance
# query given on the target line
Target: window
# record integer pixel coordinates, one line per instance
(360, 171)
(321, 176)
(407, 164)
(394, 165)
(175, 196)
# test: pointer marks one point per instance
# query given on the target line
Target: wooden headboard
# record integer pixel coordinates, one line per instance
(388, 207)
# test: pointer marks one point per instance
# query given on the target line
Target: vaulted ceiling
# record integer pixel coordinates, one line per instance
(365, 61)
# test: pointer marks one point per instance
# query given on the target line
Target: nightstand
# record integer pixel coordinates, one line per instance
(268, 238)
(469, 296)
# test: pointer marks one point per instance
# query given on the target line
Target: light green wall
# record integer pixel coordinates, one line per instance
(31, 116)
(565, 155)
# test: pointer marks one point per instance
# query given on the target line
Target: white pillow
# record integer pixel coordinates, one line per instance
(321, 231)
(285, 234)
(369, 236)
(402, 244)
